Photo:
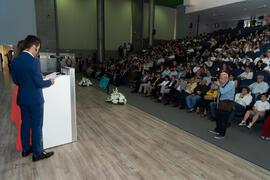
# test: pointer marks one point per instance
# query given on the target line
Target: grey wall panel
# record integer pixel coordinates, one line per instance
(45, 16)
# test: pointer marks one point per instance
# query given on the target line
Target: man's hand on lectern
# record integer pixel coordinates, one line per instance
(52, 80)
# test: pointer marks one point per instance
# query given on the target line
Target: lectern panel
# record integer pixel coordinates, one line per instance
(57, 127)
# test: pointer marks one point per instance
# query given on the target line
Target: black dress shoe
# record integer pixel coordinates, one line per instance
(166, 103)
(44, 155)
(26, 153)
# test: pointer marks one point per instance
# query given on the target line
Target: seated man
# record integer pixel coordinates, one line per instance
(165, 89)
(198, 93)
(153, 89)
(181, 98)
(242, 100)
(259, 87)
(174, 92)
(145, 82)
(160, 86)
(142, 79)
(248, 74)
(258, 111)
(166, 72)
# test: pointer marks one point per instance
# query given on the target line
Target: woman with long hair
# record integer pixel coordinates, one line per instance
(15, 110)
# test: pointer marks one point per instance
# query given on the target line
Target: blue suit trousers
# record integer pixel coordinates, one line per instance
(32, 117)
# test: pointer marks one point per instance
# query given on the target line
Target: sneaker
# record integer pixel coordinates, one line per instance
(219, 137)
(213, 132)
(250, 125)
(243, 123)
(191, 110)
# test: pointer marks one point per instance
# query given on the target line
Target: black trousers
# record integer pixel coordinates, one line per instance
(221, 122)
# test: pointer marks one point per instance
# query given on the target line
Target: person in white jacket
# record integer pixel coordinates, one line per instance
(258, 111)
(242, 100)
(248, 74)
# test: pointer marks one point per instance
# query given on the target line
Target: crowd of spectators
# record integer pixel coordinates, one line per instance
(184, 72)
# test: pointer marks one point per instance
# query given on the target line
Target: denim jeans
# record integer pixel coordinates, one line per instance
(237, 110)
(192, 100)
(213, 108)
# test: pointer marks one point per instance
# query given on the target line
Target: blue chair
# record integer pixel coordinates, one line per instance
(250, 54)
(246, 82)
(257, 54)
(266, 47)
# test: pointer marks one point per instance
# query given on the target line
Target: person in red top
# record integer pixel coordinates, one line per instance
(15, 109)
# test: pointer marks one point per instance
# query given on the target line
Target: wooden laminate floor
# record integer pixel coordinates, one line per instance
(120, 142)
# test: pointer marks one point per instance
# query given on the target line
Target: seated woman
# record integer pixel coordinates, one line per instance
(198, 93)
(242, 100)
(224, 69)
(248, 74)
(258, 111)
(260, 66)
(210, 96)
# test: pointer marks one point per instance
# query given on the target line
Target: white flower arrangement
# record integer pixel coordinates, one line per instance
(116, 98)
(85, 82)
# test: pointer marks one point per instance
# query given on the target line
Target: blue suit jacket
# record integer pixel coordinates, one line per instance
(26, 73)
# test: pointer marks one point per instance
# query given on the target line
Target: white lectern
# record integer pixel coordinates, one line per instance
(59, 124)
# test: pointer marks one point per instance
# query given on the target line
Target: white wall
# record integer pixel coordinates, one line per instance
(207, 4)
(164, 22)
(17, 19)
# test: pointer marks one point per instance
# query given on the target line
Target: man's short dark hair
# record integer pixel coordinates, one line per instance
(31, 40)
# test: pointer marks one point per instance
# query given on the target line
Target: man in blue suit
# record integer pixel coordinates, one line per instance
(26, 73)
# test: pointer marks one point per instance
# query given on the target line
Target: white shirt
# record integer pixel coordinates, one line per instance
(245, 101)
(171, 57)
(213, 58)
(244, 60)
(228, 59)
(247, 75)
(259, 87)
(267, 68)
(262, 106)
(266, 60)
(164, 83)
(195, 69)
